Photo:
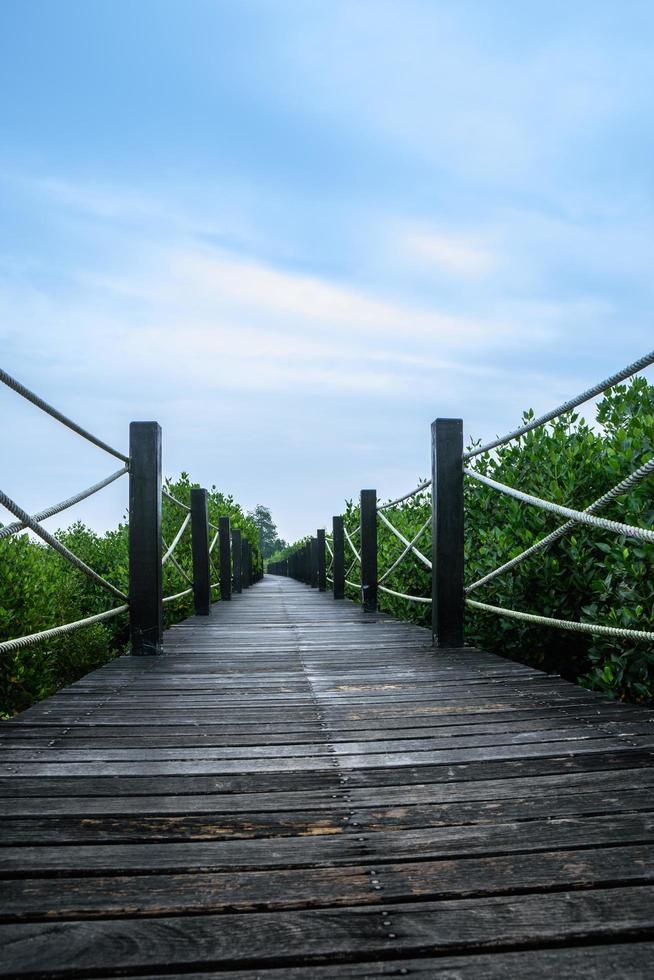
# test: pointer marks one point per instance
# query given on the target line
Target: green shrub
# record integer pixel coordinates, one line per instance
(590, 575)
(39, 589)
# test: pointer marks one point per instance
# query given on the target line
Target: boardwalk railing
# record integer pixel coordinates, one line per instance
(345, 551)
(143, 599)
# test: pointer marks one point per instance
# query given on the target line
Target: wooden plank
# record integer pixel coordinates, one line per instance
(290, 938)
(219, 821)
(34, 898)
(330, 849)
(629, 962)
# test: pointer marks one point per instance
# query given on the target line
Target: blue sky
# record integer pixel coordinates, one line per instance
(295, 231)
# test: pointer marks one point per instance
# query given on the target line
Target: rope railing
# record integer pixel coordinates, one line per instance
(409, 547)
(564, 624)
(10, 646)
(143, 600)
(574, 517)
(179, 568)
(351, 542)
(178, 595)
(9, 529)
(54, 543)
(449, 594)
(409, 544)
(174, 500)
(407, 496)
(405, 595)
(580, 399)
(176, 539)
(24, 392)
(617, 491)
(577, 516)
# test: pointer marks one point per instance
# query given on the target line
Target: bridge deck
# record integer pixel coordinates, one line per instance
(298, 790)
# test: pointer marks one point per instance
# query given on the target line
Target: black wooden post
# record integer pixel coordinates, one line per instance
(369, 550)
(322, 571)
(145, 574)
(314, 563)
(245, 544)
(200, 550)
(225, 553)
(338, 567)
(447, 532)
(236, 558)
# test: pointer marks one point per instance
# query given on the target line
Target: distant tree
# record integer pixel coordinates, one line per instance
(268, 540)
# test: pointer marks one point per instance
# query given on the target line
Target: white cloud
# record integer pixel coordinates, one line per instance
(451, 254)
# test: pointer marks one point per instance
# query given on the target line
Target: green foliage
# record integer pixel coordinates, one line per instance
(590, 575)
(283, 550)
(39, 589)
(269, 542)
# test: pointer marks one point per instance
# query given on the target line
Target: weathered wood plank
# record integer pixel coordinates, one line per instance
(628, 962)
(155, 895)
(288, 938)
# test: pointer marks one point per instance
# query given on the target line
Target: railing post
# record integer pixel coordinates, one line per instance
(245, 574)
(447, 532)
(236, 558)
(369, 550)
(200, 551)
(145, 573)
(314, 563)
(225, 558)
(338, 567)
(322, 571)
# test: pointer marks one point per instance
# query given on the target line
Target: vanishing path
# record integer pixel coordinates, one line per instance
(296, 789)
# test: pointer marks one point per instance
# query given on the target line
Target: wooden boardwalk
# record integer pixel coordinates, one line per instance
(298, 790)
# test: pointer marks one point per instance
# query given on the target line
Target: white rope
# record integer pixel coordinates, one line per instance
(215, 585)
(405, 541)
(403, 595)
(585, 396)
(213, 543)
(8, 646)
(355, 585)
(176, 539)
(49, 410)
(17, 526)
(406, 551)
(351, 543)
(578, 516)
(174, 500)
(329, 578)
(412, 493)
(178, 595)
(564, 624)
(350, 568)
(25, 518)
(617, 491)
(329, 547)
(180, 569)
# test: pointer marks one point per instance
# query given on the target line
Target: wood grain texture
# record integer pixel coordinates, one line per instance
(297, 789)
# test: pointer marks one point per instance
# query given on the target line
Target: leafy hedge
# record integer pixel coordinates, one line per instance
(39, 590)
(590, 575)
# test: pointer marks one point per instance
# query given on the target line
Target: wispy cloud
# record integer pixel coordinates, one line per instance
(447, 252)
